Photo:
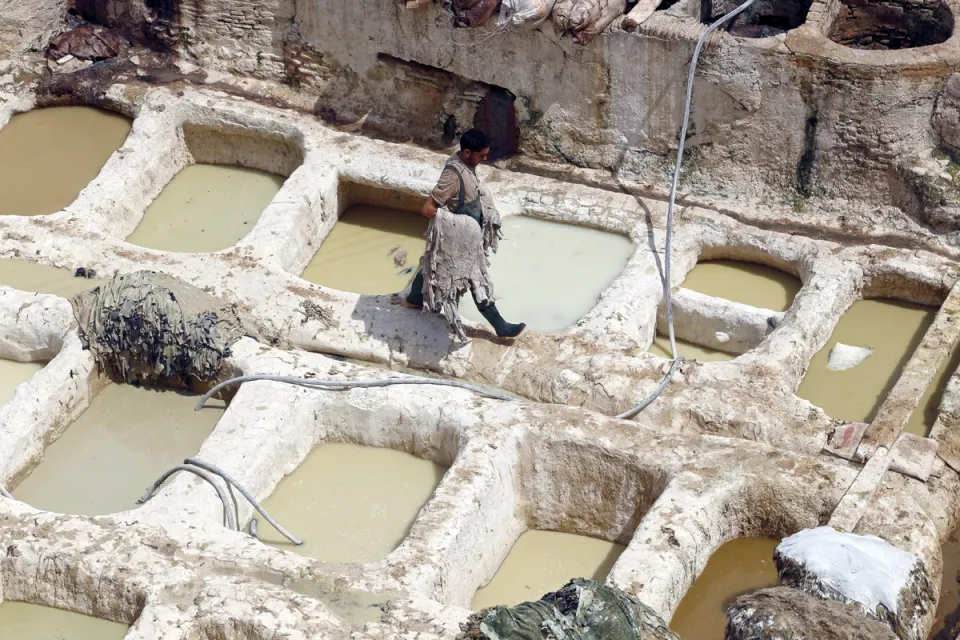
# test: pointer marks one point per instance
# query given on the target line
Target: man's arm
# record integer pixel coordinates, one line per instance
(429, 208)
(447, 186)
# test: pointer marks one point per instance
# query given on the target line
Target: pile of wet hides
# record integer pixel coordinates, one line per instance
(149, 328)
(454, 262)
(584, 20)
(881, 580)
(88, 42)
(581, 610)
(524, 13)
(783, 613)
(470, 13)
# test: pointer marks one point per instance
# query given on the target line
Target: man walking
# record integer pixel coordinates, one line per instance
(464, 227)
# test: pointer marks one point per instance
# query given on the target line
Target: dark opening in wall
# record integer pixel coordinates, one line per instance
(164, 9)
(666, 4)
(497, 117)
(892, 24)
(764, 19)
(434, 106)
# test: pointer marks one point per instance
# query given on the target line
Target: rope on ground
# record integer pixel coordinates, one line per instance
(343, 385)
(229, 514)
(668, 245)
(256, 505)
(5, 493)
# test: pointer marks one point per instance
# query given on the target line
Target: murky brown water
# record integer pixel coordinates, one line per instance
(550, 275)
(47, 156)
(544, 561)
(363, 251)
(690, 351)
(925, 415)
(350, 503)
(117, 448)
(893, 329)
(738, 567)
(206, 207)
(744, 282)
(13, 374)
(20, 621)
(948, 608)
(40, 278)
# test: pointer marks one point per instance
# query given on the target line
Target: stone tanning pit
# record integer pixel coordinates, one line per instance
(714, 293)
(845, 393)
(550, 534)
(376, 245)
(882, 25)
(255, 174)
(217, 198)
(550, 275)
(738, 567)
(51, 155)
(34, 622)
(370, 499)
(13, 374)
(540, 561)
(121, 443)
(27, 275)
(764, 19)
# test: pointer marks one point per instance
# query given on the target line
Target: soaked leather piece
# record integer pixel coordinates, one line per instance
(582, 610)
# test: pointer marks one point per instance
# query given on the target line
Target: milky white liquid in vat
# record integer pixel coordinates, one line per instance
(690, 351)
(40, 278)
(550, 275)
(47, 156)
(744, 282)
(206, 207)
(893, 329)
(925, 415)
(738, 567)
(13, 374)
(350, 503)
(118, 447)
(544, 561)
(20, 621)
(358, 254)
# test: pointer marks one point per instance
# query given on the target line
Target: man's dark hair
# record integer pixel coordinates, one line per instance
(474, 140)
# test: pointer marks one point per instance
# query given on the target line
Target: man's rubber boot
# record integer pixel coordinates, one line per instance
(503, 328)
(414, 299)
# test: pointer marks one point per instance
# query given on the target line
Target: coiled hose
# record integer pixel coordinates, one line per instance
(204, 470)
(668, 245)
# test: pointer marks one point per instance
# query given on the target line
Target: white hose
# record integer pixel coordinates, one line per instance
(668, 245)
(342, 385)
(228, 514)
(212, 468)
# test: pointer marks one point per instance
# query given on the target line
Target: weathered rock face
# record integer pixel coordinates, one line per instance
(840, 127)
(581, 610)
(782, 613)
(879, 579)
(28, 26)
(946, 118)
(146, 327)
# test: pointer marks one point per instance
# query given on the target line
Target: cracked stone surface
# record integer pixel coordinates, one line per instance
(728, 450)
